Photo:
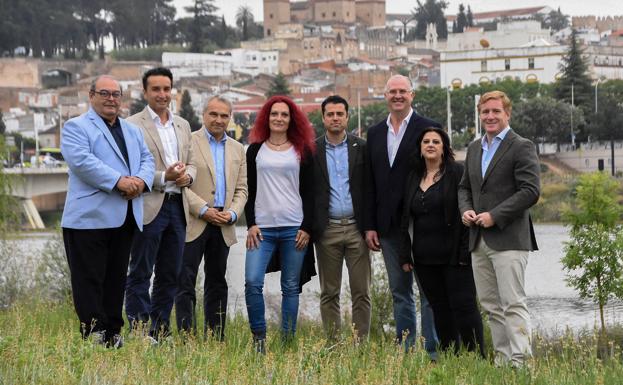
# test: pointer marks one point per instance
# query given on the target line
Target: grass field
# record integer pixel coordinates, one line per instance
(40, 344)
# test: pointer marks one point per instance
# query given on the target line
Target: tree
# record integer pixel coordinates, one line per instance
(461, 19)
(432, 11)
(545, 119)
(607, 120)
(575, 76)
(556, 20)
(138, 105)
(8, 206)
(203, 17)
(188, 112)
(470, 16)
(278, 86)
(2, 125)
(594, 255)
(244, 20)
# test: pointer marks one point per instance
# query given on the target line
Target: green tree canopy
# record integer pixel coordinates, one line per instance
(594, 256)
(432, 11)
(545, 119)
(575, 76)
(278, 86)
(187, 112)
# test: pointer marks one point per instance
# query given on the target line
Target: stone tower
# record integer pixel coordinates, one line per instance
(371, 12)
(276, 12)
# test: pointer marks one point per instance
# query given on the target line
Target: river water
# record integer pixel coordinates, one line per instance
(553, 305)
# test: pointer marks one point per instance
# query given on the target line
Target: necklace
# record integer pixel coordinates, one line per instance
(278, 145)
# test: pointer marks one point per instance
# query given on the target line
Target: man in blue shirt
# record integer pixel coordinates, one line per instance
(339, 169)
(216, 199)
(499, 185)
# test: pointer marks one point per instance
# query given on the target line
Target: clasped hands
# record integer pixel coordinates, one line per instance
(470, 218)
(215, 217)
(177, 172)
(130, 186)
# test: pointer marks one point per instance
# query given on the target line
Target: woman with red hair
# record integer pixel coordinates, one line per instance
(279, 211)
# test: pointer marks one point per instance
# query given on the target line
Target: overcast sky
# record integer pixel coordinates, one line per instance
(569, 7)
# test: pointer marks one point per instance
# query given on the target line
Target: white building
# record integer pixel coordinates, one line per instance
(508, 34)
(222, 63)
(538, 63)
(605, 62)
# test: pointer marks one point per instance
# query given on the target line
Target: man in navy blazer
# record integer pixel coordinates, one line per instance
(389, 153)
(109, 168)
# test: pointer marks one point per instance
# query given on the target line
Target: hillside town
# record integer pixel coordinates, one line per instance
(317, 48)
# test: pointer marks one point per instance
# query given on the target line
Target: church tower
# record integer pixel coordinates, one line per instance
(371, 12)
(276, 12)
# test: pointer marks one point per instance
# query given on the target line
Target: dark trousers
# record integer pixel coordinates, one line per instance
(158, 247)
(452, 295)
(98, 263)
(211, 245)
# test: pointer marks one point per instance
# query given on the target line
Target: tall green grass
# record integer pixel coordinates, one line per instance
(40, 344)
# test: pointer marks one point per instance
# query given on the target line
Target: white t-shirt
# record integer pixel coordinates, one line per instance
(278, 202)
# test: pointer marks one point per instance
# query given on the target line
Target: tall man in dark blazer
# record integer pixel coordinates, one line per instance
(391, 143)
(160, 246)
(499, 185)
(339, 170)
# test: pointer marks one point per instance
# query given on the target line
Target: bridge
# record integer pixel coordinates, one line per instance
(27, 183)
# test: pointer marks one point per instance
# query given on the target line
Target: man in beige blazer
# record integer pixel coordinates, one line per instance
(217, 199)
(160, 246)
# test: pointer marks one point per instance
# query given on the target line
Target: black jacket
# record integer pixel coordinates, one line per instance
(460, 233)
(384, 184)
(357, 163)
(306, 181)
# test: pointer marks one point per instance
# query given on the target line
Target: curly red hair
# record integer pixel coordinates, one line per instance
(300, 132)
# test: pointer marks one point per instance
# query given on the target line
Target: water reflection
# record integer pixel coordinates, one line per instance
(554, 306)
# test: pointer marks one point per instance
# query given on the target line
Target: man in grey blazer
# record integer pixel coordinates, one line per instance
(160, 246)
(339, 170)
(499, 185)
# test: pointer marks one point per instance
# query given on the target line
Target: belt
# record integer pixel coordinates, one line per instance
(172, 196)
(218, 208)
(343, 221)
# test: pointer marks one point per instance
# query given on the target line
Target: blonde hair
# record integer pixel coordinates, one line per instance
(496, 95)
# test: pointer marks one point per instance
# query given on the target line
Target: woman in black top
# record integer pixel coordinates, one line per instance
(439, 252)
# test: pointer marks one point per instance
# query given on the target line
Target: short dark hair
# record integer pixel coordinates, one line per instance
(334, 99)
(158, 71)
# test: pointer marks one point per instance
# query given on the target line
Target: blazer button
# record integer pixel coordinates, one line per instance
(213, 192)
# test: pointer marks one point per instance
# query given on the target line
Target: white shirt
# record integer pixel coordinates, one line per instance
(168, 139)
(393, 139)
(278, 202)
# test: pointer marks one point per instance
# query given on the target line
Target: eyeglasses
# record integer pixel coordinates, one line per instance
(395, 92)
(107, 94)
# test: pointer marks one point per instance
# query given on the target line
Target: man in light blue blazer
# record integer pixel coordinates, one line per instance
(110, 167)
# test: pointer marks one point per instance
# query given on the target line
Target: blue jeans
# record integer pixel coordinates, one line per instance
(401, 286)
(283, 239)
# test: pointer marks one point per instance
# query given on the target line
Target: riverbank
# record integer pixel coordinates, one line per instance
(40, 344)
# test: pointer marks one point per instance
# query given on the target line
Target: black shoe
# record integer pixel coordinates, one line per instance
(259, 345)
(116, 342)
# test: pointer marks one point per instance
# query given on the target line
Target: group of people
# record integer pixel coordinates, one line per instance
(148, 194)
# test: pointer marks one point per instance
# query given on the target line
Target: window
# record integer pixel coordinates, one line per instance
(268, 31)
(333, 14)
(586, 163)
(531, 63)
(347, 14)
(507, 64)
(271, 16)
(324, 15)
(483, 65)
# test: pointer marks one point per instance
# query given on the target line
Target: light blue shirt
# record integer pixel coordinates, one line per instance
(217, 147)
(489, 151)
(340, 200)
